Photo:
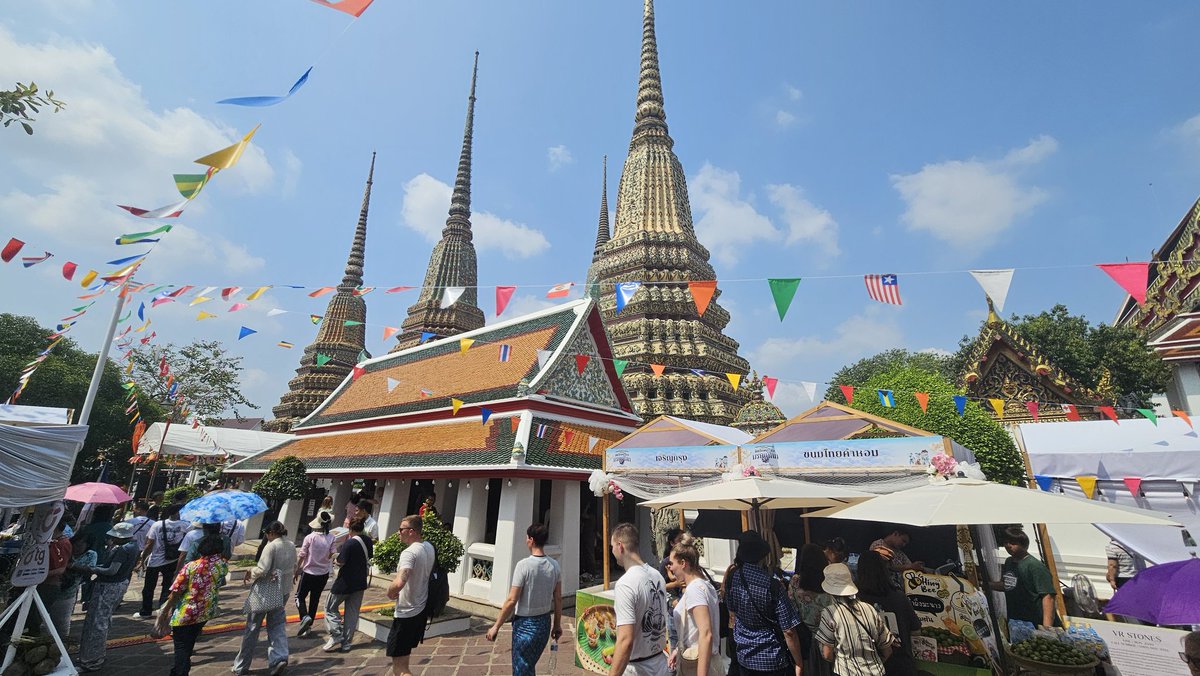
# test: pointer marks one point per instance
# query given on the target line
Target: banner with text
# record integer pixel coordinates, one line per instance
(844, 453)
(695, 458)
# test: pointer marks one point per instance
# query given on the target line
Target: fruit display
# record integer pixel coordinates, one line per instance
(596, 637)
(1052, 656)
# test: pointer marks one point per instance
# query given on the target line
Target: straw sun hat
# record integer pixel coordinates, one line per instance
(838, 581)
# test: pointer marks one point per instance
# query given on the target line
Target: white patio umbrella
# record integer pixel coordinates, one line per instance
(755, 493)
(971, 501)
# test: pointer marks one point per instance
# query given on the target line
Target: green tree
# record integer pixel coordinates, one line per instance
(1085, 352)
(23, 102)
(208, 378)
(62, 381)
(286, 479)
(448, 547)
(975, 429)
(864, 369)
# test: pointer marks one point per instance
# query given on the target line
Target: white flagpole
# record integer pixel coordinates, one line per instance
(102, 358)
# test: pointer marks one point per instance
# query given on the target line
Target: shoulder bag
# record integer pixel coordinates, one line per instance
(266, 594)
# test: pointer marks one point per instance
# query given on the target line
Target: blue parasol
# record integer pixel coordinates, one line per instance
(223, 505)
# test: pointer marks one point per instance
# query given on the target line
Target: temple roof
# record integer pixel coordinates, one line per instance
(828, 420)
(668, 431)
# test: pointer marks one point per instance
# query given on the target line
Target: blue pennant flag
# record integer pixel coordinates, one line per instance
(1044, 482)
(625, 293)
(246, 331)
(426, 335)
(486, 413)
(886, 399)
(142, 312)
(260, 101)
(960, 402)
(699, 372)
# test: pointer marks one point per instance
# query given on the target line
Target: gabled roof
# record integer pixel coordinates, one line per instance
(1171, 279)
(667, 431)
(828, 420)
(426, 377)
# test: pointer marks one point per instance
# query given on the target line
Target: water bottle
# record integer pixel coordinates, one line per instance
(553, 655)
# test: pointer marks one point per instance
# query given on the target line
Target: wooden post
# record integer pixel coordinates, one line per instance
(1044, 542)
(682, 521)
(807, 527)
(604, 540)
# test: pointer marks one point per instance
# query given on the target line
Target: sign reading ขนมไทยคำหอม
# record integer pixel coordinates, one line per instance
(696, 458)
(843, 453)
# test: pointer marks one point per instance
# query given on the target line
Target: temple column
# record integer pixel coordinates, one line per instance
(470, 523)
(290, 515)
(392, 506)
(341, 489)
(564, 531)
(1187, 379)
(516, 505)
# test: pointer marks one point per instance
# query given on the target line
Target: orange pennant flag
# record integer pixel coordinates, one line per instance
(1088, 484)
(1181, 414)
(702, 293)
(923, 400)
(658, 369)
(389, 331)
(998, 407)
(515, 422)
(1109, 413)
(321, 292)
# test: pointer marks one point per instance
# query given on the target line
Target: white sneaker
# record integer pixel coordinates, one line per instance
(331, 645)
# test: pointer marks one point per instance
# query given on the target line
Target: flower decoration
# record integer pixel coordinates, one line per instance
(942, 466)
(602, 484)
(750, 470)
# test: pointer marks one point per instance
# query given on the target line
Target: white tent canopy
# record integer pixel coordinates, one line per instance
(16, 414)
(183, 439)
(744, 494)
(1165, 456)
(35, 462)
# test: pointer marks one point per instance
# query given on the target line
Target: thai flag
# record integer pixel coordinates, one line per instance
(883, 288)
(505, 351)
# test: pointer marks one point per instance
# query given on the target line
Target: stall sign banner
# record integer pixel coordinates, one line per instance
(34, 563)
(952, 604)
(715, 458)
(844, 453)
(1140, 650)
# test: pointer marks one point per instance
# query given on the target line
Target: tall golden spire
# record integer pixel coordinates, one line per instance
(651, 116)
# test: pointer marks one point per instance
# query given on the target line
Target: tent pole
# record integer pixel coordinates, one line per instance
(102, 358)
(1044, 543)
(604, 527)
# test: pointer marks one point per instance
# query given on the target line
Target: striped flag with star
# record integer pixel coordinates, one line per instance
(883, 288)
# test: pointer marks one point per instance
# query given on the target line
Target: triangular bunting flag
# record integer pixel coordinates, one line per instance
(702, 293)
(886, 399)
(204, 315)
(1033, 409)
(12, 249)
(1149, 415)
(389, 331)
(258, 292)
(362, 291)
(783, 290)
(619, 365)
(426, 335)
(1071, 412)
(238, 306)
(245, 331)
(451, 294)
(625, 293)
(1044, 482)
(227, 157)
(960, 403)
(769, 384)
(321, 291)
(68, 270)
(1134, 484)
(87, 279)
(1088, 484)
(923, 400)
(560, 290)
(995, 284)
(592, 443)
(1184, 416)
(323, 359)
(543, 356)
(199, 299)
(315, 319)
(848, 393)
(810, 390)
(1108, 413)
(503, 295)
(1133, 277)
(398, 289)
(357, 372)
(568, 435)
(228, 292)
(285, 344)
(658, 369)
(735, 379)
(464, 344)
(485, 413)
(392, 383)
(351, 322)
(514, 422)
(581, 362)
(455, 404)
(998, 407)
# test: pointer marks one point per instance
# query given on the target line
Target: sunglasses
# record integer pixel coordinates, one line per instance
(1193, 661)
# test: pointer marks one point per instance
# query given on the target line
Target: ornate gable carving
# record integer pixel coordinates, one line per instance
(592, 385)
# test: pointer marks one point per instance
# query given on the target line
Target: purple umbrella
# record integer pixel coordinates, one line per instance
(1168, 593)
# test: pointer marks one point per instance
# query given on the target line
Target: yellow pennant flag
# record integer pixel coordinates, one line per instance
(998, 407)
(257, 292)
(204, 315)
(734, 379)
(455, 404)
(464, 344)
(227, 157)
(143, 327)
(129, 367)
(1088, 484)
(87, 279)
(198, 300)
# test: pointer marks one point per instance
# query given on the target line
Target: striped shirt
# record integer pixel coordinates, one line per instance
(858, 636)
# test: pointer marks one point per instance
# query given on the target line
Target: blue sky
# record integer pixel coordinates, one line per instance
(821, 140)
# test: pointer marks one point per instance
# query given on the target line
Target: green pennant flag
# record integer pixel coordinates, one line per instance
(323, 359)
(783, 290)
(1149, 415)
(619, 365)
(351, 322)
(362, 356)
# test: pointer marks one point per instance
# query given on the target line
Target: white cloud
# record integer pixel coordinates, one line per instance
(292, 167)
(816, 357)
(806, 222)
(784, 119)
(426, 201)
(941, 352)
(558, 157)
(728, 224)
(793, 93)
(523, 304)
(971, 203)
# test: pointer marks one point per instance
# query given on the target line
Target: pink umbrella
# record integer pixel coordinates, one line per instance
(93, 491)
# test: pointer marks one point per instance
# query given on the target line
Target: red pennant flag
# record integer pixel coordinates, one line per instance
(503, 295)
(1071, 412)
(68, 270)
(315, 294)
(1033, 409)
(1134, 485)
(658, 369)
(397, 289)
(581, 362)
(1186, 419)
(923, 400)
(1133, 277)
(568, 435)
(848, 393)
(11, 249)
(515, 422)
(389, 331)
(702, 293)
(357, 372)
(1109, 413)
(770, 384)
(162, 366)
(228, 291)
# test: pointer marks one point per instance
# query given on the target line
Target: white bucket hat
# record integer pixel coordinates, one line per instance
(838, 581)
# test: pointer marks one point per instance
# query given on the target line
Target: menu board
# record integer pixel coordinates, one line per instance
(955, 614)
(1141, 650)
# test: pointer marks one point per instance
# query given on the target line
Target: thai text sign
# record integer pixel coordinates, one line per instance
(843, 453)
(695, 458)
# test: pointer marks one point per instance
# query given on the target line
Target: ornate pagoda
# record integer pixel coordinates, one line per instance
(653, 242)
(344, 344)
(758, 415)
(452, 263)
(1004, 365)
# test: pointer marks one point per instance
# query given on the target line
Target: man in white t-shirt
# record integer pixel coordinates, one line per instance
(641, 606)
(371, 526)
(410, 589)
(160, 557)
(536, 591)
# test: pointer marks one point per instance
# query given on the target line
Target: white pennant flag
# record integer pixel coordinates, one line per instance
(811, 390)
(206, 290)
(392, 383)
(451, 294)
(276, 312)
(995, 284)
(592, 443)
(543, 357)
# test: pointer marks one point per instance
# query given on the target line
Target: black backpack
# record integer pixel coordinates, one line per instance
(439, 589)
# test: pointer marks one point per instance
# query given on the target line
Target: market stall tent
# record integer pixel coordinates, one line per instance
(183, 439)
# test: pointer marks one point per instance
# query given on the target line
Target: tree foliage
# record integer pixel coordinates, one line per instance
(448, 547)
(975, 429)
(864, 369)
(62, 381)
(286, 479)
(206, 376)
(23, 102)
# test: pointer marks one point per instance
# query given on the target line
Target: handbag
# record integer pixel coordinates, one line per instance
(266, 594)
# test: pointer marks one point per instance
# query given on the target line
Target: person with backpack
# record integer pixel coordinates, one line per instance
(160, 557)
(118, 562)
(354, 557)
(765, 623)
(536, 591)
(410, 590)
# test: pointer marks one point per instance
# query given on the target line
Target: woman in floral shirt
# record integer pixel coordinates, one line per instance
(193, 600)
